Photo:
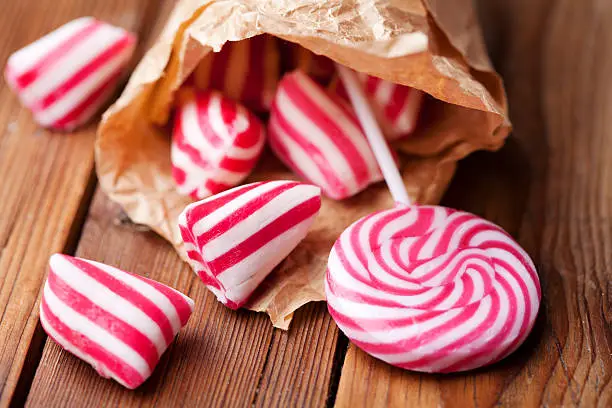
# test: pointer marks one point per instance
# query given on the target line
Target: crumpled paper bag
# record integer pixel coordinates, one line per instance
(432, 45)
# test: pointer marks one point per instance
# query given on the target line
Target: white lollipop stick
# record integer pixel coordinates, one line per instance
(375, 137)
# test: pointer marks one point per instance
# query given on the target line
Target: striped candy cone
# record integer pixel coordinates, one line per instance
(65, 77)
(118, 322)
(235, 239)
(396, 107)
(319, 138)
(431, 289)
(215, 145)
(246, 71)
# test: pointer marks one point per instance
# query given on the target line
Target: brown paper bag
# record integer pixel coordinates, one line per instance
(432, 45)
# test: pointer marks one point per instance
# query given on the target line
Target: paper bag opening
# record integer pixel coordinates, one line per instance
(415, 43)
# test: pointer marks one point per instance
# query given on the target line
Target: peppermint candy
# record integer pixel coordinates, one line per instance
(65, 77)
(235, 239)
(319, 138)
(431, 289)
(215, 145)
(396, 107)
(118, 322)
(246, 71)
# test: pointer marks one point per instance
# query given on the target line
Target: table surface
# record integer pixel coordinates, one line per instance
(551, 187)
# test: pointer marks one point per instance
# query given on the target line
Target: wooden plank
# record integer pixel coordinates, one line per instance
(556, 64)
(47, 182)
(221, 358)
(301, 362)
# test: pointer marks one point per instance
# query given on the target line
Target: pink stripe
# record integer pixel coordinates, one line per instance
(253, 243)
(397, 102)
(56, 54)
(100, 354)
(115, 326)
(182, 306)
(203, 102)
(283, 154)
(247, 210)
(308, 104)
(238, 165)
(129, 294)
(75, 115)
(375, 324)
(279, 121)
(211, 204)
(84, 73)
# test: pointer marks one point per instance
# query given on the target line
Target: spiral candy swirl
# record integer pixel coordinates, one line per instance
(431, 289)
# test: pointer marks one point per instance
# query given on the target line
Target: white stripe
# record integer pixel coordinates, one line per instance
(193, 134)
(349, 127)
(218, 124)
(379, 271)
(83, 90)
(406, 332)
(93, 108)
(69, 346)
(343, 278)
(197, 176)
(81, 324)
(364, 310)
(241, 153)
(185, 217)
(158, 298)
(108, 300)
(262, 217)
(401, 223)
(320, 139)
(406, 120)
(384, 91)
(301, 160)
(67, 66)
(205, 223)
(22, 60)
(238, 285)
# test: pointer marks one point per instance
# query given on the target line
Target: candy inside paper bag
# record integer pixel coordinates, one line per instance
(429, 45)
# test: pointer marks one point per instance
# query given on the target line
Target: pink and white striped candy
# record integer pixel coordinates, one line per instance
(235, 239)
(246, 71)
(118, 322)
(319, 138)
(215, 145)
(396, 107)
(431, 289)
(65, 77)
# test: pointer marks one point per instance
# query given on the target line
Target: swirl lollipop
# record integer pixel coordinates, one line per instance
(428, 288)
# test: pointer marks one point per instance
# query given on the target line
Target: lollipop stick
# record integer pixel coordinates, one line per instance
(375, 137)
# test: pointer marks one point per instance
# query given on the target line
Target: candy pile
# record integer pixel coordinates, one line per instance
(422, 287)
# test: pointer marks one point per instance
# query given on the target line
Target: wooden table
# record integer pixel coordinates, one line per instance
(551, 187)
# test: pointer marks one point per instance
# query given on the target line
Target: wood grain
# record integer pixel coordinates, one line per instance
(550, 187)
(556, 63)
(47, 182)
(221, 358)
